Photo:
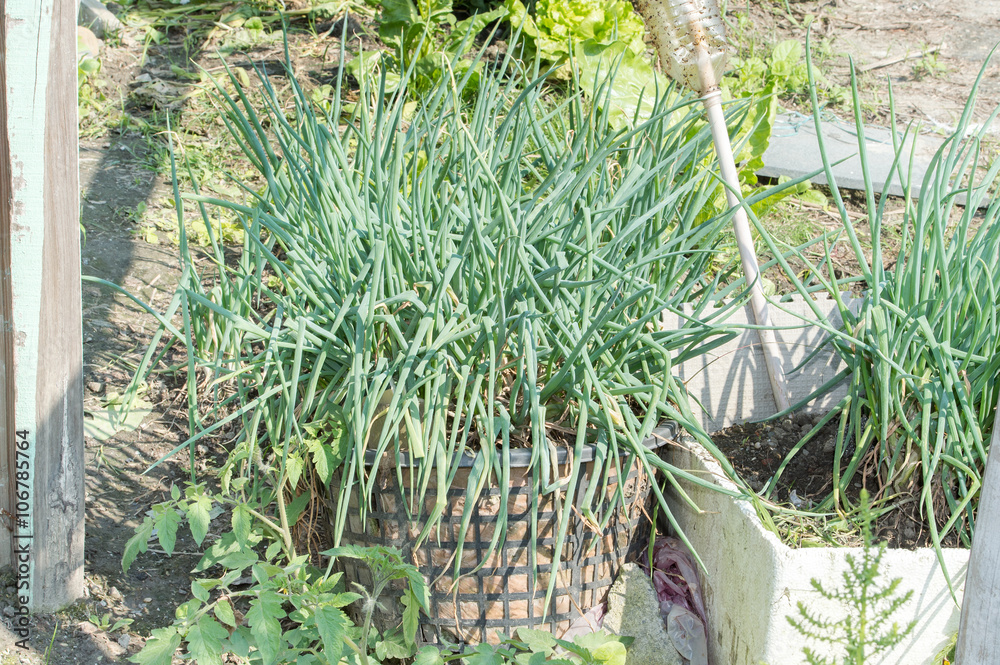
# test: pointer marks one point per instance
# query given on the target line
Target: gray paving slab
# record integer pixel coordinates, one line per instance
(94, 15)
(794, 152)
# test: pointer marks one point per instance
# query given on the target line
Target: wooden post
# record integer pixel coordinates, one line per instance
(978, 634)
(41, 417)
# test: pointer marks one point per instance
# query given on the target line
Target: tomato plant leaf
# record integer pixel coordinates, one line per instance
(205, 641)
(198, 516)
(166, 520)
(160, 647)
(263, 616)
(137, 543)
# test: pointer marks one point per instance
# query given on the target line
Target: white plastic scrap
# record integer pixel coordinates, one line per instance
(687, 633)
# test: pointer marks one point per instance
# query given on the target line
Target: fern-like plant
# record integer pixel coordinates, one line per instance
(867, 628)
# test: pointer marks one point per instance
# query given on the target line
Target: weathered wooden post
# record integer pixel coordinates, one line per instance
(41, 355)
(978, 637)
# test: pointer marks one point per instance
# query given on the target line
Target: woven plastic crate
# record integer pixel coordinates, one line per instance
(501, 596)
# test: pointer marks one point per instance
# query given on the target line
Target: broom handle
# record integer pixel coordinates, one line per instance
(712, 99)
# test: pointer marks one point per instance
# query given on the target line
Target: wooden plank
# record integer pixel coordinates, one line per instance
(978, 637)
(59, 458)
(6, 320)
(43, 224)
(24, 100)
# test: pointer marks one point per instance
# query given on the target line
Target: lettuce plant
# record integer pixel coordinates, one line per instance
(587, 39)
(557, 25)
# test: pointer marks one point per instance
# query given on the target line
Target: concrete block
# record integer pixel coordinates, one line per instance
(753, 582)
(729, 384)
(94, 15)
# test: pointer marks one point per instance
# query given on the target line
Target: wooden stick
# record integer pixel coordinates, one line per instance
(876, 25)
(692, 65)
(978, 638)
(893, 61)
(712, 99)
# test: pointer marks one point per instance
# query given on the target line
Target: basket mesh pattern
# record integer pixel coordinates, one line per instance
(501, 596)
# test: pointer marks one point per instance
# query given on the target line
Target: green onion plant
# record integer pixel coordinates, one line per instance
(922, 344)
(449, 278)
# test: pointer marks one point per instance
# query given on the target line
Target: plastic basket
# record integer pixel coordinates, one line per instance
(501, 595)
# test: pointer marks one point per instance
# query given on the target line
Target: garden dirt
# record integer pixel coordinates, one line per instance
(930, 52)
(761, 455)
(939, 46)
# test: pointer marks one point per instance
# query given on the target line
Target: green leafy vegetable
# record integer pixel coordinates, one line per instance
(631, 99)
(557, 26)
(427, 39)
(160, 647)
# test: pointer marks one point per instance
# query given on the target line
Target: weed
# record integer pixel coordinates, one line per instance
(928, 66)
(133, 216)
(52, 642)
(104, 622)
(764, 68)
(293, 612)
(90, 95)
(102, 461)
(864, 630)
(249, 34)
(946, 656)
(538, 646)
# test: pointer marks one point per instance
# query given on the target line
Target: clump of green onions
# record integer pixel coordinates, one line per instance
(922, 348)
(454, 278)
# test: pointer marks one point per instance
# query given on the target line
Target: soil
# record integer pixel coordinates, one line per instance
(115, 179)
(930, 52)
(757, 452)
(124, 189)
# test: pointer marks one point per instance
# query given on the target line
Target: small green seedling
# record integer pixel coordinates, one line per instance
(866, 629)
(104, 622)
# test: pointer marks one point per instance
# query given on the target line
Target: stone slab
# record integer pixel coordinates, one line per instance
(634, 611)
(94, 15)
(794, 152)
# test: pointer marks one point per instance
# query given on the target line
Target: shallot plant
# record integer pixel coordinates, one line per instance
(922, 345)
(449, 279)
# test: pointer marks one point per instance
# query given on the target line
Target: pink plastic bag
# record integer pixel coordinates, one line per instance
(675, 578)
